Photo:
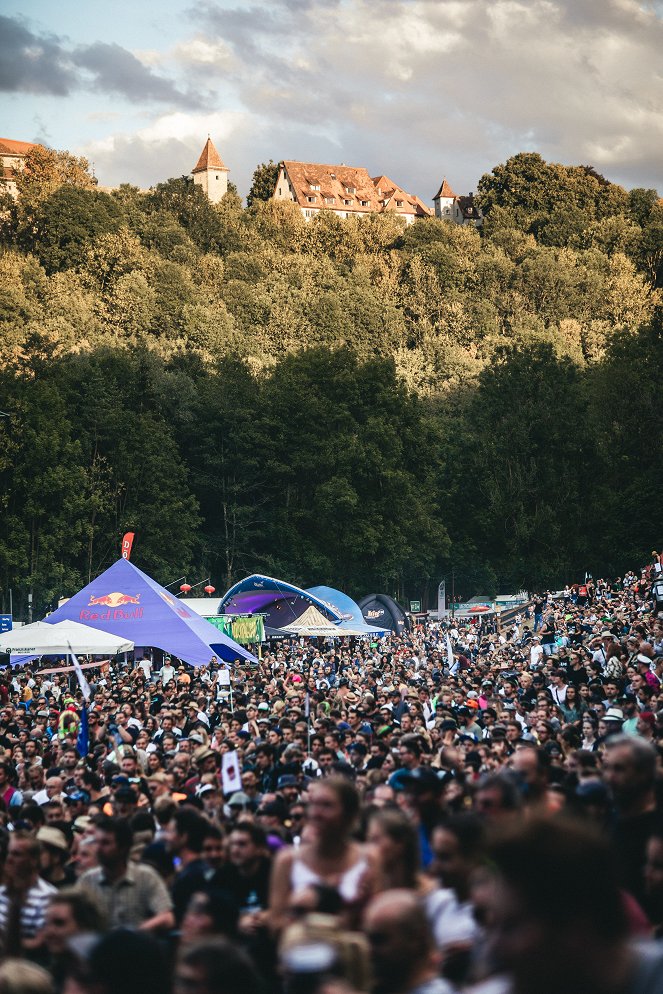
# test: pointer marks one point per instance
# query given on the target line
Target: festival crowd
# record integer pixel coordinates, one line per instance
(464, 807)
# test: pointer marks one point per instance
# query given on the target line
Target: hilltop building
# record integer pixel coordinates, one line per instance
(461, 210)
(210, 173)
(12, 161)
(345, 190)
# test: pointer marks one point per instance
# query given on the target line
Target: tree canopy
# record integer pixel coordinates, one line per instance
(352, 402)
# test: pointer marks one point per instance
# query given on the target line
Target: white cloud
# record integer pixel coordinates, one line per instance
(416, 88)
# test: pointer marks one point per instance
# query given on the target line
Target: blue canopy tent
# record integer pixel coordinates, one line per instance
(281, 603)
(353, 620)
(127, 602)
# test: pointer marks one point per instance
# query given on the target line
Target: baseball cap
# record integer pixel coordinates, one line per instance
(422, 778)
(78, 796)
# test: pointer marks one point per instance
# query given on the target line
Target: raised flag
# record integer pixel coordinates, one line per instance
(127, 542)
(80, 676)
(83, 740)
(450, 655)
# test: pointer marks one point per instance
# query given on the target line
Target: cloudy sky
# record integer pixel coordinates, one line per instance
(417, 89)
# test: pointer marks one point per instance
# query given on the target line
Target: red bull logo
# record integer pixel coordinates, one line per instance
(116, 599)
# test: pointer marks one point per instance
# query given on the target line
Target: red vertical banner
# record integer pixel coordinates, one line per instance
(127, 542)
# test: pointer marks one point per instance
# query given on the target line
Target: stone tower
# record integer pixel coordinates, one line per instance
(210, 173)
(446, 202)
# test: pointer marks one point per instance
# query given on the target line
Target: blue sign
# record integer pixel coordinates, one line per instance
(5, 623)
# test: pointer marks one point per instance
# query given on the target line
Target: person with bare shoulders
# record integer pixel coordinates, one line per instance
(328, 855)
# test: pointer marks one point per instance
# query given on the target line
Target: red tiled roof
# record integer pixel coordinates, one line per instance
(445, 191)
(8, 146)
(209, 159)
(332, 186)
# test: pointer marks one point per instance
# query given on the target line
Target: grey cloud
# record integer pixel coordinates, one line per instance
(116, 70)
(31, 63)
(46, 64)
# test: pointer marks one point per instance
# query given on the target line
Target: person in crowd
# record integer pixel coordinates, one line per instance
(573, 937)
(24, 895)
(331, 856)
(403, 953)
(215, 966)
(131, 895)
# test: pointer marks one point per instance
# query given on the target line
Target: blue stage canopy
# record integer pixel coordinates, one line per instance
(282, 603)
(349, 610)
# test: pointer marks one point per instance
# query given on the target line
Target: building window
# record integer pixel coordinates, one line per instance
(399, 203)
(347, 203)
(350, 189)
(330, 200)
(279, 191)
(315, 186)
(311, 200)
(365, 203)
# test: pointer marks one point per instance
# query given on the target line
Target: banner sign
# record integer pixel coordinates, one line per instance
(442, 600)
(415, 607)
(127, 542)
(70, 669)
(246, 629)
(6, 623)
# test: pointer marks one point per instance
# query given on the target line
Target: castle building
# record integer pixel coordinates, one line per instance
(460, 210)
(210, 173)
(12, 161)
(345, 190)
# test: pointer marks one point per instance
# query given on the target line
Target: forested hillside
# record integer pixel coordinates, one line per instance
(342, 402)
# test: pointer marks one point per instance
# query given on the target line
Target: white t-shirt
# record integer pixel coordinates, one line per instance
(535, 654)
(167, 673)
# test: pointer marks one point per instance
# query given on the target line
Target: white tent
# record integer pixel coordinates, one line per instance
(42, 639)
(313, 624)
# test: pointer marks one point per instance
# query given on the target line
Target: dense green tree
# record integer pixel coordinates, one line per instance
(66, 224)
(263, 182)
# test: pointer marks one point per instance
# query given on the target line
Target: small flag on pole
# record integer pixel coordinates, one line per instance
(80, 676)
(450, 654)
(83, 740)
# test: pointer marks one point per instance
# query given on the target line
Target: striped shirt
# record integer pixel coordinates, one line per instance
(33, 911)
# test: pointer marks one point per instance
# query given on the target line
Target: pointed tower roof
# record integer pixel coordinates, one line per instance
(445, 191)
(209, 159)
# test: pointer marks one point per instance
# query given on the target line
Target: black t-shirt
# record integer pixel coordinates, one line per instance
(247, 891)
(189, 880)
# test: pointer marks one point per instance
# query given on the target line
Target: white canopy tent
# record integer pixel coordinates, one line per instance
(313, 624)
(42, 639)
